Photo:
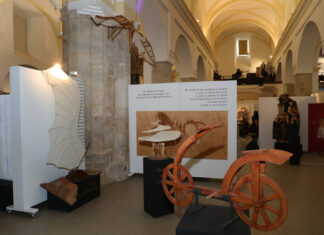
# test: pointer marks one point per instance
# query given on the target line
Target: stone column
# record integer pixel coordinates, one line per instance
(162, 72)
(290, 89)
(303, 84)
(105, 67)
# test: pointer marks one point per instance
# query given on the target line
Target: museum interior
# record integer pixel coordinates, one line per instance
(161, 117)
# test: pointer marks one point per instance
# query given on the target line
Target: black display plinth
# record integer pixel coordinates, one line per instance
(293, 146)
(6, 194)
(155, 202)
(211, 220)
(88, 189)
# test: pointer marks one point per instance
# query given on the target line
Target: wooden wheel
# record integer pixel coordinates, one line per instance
(266, 213)
(178, 185)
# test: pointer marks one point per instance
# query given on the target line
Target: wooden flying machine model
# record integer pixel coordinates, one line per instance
(249, 192)
(116, 24)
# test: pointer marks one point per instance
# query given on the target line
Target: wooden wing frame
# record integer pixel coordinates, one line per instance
(116, 24)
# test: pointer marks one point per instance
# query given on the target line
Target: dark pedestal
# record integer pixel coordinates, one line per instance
(155, 202)
(293, 146)
(210, 220)
(6, 194)
(135, 79)
(88, 189)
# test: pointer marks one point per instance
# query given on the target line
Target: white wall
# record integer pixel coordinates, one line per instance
(43, 45)
(312, 11)
(228, 62)
(268, 110)
(33, 113)
(176, 21)
(260, 52)
(6, 37)
(5, 138)
(225, 56)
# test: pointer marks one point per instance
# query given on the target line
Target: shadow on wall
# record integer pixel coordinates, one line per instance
(5, 89)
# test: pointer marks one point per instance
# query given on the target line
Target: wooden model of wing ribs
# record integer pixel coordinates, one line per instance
(66, 150)
(116, 24)
(162, 135)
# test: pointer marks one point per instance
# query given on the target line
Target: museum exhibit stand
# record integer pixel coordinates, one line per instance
(155, 202)
(88, 188)
(252, 191)
(44, 106)
(6, 194)
(286, 128)
(211, 219)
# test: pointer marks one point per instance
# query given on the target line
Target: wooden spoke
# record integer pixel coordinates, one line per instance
(243, 202)
(261, 187)
(248, 184)
(171, 191)
(183, 177)
(177, 192)
(169, 182)
(270, 198)
(244, 208)
(244, 195)
(255, 215)
(269, 208)
(179, 187)
(265, 216)
(170, 175)
(184, 194)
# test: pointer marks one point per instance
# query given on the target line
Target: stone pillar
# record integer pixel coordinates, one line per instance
(303, 84)
(105, 67)
(162, 72)
(290, 89)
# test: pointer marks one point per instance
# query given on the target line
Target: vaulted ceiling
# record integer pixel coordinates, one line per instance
(265, 19)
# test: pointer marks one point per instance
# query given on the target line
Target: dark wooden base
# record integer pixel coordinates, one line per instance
(6, 194)
(155, 202)
(293, 146)
(88, 189)
(210, 220)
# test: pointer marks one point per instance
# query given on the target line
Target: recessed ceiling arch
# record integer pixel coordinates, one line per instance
(220, 7)
(246, 22)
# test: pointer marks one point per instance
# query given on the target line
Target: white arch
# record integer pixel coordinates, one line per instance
(183, 61)
(155, 30)
(279, 73)
(308, 48)
(308, 53)
(201, 73)
(288, 78)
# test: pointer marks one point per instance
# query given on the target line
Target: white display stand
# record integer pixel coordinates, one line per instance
(183, 97)
(32, 112)
(268, 110)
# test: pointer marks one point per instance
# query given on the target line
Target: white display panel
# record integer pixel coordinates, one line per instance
(5, 138)
(193, 96)
(268, 110)
(32, 112)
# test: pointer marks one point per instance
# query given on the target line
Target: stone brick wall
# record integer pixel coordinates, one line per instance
(303, 84)
(162, 72)
(105, 67)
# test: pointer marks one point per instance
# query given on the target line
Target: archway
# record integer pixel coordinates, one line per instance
(288, 79)
(306, 78)
(279, 73)
(201, 74)
(183, 65)
(154, 29)
(321, 71)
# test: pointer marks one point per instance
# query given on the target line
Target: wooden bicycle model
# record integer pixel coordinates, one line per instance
(253, 191)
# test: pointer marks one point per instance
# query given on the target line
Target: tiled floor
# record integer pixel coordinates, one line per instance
(119, 210)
